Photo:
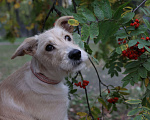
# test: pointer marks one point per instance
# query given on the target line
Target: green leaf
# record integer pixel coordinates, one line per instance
(88, 15)
(98, 12)
(132, 42)
(134, 111)
(140, 46)
(95, 60)
(118, 69)
(73, 91)
(130, 70)
(76, 38)
(126, 18)
(142, 72)
(106, 30)
(125, 83)
(119, 11)
(147, 23)
(103, 103)
(138, 117)
(136, 78)
(118, 50)
(139, 30)
(87, 48)
(144, 11)
(133, 101)
(147, 116)
(85, 32)
(121, 34)
(80, 18)
(106, 9)
(147, 65)
(94, 30)
(132, 64)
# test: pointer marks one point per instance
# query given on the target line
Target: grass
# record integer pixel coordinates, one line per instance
(8, 66)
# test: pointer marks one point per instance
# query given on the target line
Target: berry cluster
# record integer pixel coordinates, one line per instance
(133, 52)
(113, 100)
(135, 23)
(121, 41)
(83, 85)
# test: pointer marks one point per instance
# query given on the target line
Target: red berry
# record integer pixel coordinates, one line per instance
(119, 43)
(136, 26)
(108, 91)
(83, 87)
(147, 38)
(124, 41)
(143, 38)
(131, 24)
(136, 20)
(116, 98)
(135, 23)
(124, 52)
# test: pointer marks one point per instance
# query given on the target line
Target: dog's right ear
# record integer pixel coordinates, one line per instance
(63, 23)
(29, 47)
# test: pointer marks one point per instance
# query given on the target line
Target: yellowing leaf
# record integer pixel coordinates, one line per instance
(3, 19)
(73, 22)
(146, 82)
(17, 5)
(30, 27)
(124, 47)
(83, 114)
(89, 118)
(9, 1)
(112, 1)
(120, 88)
(147, 3)
(40, 17)
(29, 2)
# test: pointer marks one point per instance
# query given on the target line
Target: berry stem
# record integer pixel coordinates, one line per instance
(90, 114)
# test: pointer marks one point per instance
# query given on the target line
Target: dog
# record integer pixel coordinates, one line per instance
(36, 91)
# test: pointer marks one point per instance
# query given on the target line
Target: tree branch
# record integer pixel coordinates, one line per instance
(139, 6)
(50, 11)
(90, 114)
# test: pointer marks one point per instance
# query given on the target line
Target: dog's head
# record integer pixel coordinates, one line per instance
(55, 48)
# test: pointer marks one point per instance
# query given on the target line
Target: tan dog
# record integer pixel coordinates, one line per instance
(36, 91)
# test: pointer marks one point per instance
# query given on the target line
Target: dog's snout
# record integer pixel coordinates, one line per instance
(75, 54)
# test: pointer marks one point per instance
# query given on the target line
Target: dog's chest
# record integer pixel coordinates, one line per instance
(49, 106)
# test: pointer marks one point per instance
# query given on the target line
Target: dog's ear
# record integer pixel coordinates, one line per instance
(29, 47)
(63, 22)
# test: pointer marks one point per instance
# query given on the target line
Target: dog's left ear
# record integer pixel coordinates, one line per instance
(29, 47)
(63, 22)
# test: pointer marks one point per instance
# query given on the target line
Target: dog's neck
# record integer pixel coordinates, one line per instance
(43, 74)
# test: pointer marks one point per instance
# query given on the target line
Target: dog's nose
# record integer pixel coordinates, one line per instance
(75, 54)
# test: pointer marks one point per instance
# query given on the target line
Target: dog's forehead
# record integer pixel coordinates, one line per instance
(53, 35)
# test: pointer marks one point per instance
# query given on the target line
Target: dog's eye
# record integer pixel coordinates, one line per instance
(49, 48)
(67, 37)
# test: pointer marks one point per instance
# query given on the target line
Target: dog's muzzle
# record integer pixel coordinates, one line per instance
(75, 54)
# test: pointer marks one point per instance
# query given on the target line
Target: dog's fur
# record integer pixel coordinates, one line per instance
(22, 95)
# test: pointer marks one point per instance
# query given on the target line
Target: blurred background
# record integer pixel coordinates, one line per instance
(24, 18)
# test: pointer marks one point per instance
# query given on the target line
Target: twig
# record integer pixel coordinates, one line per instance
(75, 10)
(90, 114)
(139, 5)
(51, 10)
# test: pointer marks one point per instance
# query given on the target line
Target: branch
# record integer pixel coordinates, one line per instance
(75, 10)
(50, 11)
(90, 114)
(139, 5)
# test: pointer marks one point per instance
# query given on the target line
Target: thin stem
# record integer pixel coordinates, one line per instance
(90, 114)
(51, 10)
(75, 10)
(139, 6)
